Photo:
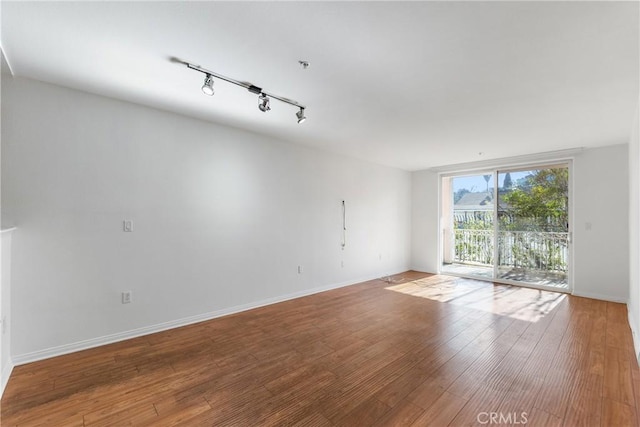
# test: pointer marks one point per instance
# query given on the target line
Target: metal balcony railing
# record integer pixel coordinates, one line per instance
(538, 250)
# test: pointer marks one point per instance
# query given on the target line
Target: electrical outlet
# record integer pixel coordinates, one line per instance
(127, 225)
(127, 297)
(300, 269)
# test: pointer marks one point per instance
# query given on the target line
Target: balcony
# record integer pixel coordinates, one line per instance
(533, 257)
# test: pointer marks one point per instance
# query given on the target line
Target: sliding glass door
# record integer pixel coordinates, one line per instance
(516, 231)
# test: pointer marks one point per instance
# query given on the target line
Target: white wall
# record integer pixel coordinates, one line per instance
(600, 194)
(634, 234)
(601, 198)
(222, 218)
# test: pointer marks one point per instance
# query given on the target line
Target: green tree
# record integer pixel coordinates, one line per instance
(540, 204)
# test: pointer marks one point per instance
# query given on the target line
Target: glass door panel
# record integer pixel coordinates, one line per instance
(532, 231)
(468, 225)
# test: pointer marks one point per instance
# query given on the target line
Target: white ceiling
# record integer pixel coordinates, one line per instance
(406, 84)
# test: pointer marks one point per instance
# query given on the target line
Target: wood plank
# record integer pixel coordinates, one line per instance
(618, 414)
(365, 414)
(585, 403)
(403, 414)
(470, 380)
(539, 418)
(144, 412)
(180, 412)
(443, 411)
(314, 419)
(618, 382)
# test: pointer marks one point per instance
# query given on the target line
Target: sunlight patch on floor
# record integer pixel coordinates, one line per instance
(504, 300)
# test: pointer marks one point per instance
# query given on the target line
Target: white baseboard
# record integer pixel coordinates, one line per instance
(4, 376)
(598, 296)
(25, 358)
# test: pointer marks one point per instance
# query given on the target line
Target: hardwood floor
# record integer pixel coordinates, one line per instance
(416, 350)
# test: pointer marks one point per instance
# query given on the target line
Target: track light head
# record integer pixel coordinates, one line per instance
(300, 115)
(264, 97)
(263, 104)
(207, 87)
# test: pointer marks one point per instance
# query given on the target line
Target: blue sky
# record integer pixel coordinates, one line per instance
(476, 183)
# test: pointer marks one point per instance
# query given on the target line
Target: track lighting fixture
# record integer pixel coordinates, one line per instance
(207, 87)
(300, 115)
(264, 97)
(263, 103)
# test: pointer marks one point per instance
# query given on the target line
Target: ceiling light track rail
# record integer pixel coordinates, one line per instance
(263, 96)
